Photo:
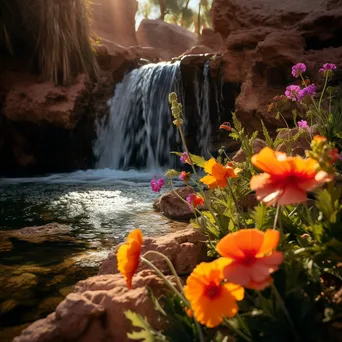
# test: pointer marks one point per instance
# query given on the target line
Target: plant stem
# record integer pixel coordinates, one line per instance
(286, 312)
(171, 286)
(169, 263)
(276, 217)
(237, 331)
(197, 178)
(167, 282)
(243, 325)
(199, 330)
(323, 91)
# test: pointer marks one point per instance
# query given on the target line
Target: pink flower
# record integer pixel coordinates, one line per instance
(194, 200)
(298, 69)
(156, 185)
(292, 92)
(185, 158)
(303, 124)
(328, 67)
(184, 176)
(310, 90)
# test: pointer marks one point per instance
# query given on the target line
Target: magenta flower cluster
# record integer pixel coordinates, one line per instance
(303, 124)
(327, 67)
(184, 158)
(156, 185)
(298, 69)
(295, 92)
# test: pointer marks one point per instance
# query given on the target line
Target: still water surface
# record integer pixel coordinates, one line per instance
(99, 207)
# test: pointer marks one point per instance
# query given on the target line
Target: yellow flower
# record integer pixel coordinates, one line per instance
(128, 255)
(217, 174)
(211, 300)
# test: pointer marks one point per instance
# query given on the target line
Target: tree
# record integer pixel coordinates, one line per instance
(179, 12)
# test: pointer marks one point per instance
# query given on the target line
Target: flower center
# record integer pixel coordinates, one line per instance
(212, 290)
(248, 259)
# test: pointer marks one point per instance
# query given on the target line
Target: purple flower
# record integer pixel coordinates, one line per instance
(156, 185)
(310, 90)
(292, 92)
(298, 69)
(303, 124)
(328, 67)
(185, 158)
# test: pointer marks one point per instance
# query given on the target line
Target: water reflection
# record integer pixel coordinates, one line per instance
(99, 206)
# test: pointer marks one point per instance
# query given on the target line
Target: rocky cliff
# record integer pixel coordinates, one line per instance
(263, 39)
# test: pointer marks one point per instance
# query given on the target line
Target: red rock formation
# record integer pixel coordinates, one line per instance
(168, 39)
(95, 311)
(263, 39)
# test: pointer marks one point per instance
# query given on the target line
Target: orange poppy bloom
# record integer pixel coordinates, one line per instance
(211, 300)
(250, 257)
(286, 179)
(128, 255)
(217, 174)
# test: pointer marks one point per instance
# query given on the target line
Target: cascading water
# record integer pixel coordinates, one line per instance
(139, 132)
(202, 95)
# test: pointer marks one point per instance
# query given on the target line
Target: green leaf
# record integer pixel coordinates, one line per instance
(146, 334)
(236, 122)
(196, 160)
(269, 140)
(260, 217)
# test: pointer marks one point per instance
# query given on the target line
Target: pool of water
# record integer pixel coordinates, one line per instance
(99, 207)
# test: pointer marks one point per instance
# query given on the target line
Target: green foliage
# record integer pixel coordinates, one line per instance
(268, 139)
(146, 333)
(196, 160)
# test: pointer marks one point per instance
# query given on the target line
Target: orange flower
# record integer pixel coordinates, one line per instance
(250, 257)
(211, 300)
(226, 126)
(128, 255)
(319, 138)
(286, 179)
(217, 174)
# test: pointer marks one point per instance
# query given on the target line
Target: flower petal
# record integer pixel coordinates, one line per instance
(269, 161)
(271, 240)
(208, 166)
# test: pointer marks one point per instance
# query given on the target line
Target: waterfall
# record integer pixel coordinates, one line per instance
(202, 95)
(139, 132)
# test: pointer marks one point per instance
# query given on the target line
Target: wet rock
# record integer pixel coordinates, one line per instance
(5, 245)
(173, 204)
(8, 306)
(38, 234)
(95, 312)
(169, 40)
(184, 248)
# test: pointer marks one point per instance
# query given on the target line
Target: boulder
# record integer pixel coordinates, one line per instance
(30, 100)
(94, 312)
(169, 40)
(240, 156)
(173, 204)
(184, 248)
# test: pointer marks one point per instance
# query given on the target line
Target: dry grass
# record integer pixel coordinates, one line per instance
(56, 33)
